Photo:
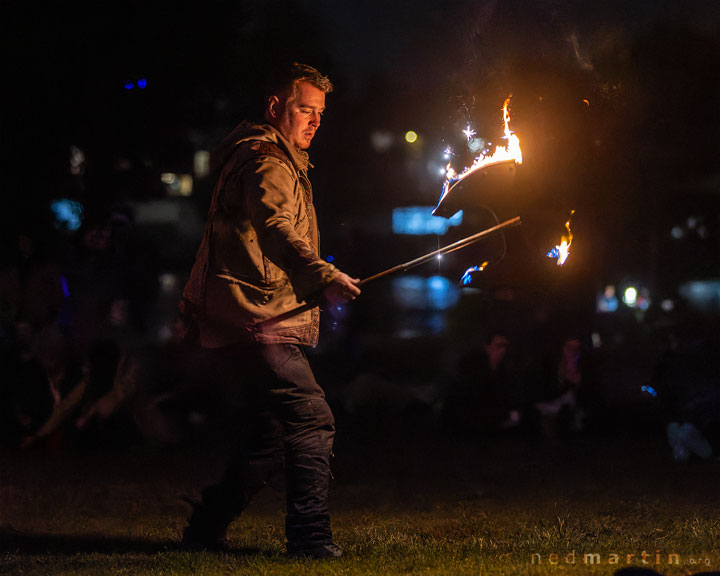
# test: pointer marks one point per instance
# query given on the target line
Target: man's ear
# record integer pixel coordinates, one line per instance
(273, 107)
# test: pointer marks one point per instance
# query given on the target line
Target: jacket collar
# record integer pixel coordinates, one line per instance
(257, 131)
(299, 158)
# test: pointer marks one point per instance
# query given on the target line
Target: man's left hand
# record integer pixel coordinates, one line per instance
(342, 289)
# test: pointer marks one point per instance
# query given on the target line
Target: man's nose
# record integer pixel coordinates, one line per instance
(315, 119)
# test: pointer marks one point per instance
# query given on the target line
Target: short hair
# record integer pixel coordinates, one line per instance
(283, 79)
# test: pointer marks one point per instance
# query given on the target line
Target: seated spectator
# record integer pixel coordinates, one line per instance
(687, 387)
(561, 389)
(34, 355)
(483, 400)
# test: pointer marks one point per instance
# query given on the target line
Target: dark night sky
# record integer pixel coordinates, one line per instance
(648, 69)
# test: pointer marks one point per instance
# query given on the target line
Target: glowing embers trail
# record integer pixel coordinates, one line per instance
(502, 154)
(562, 251)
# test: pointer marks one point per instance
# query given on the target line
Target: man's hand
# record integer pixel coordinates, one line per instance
(341, 289)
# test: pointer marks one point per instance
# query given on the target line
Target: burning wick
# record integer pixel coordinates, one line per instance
(561, 252)
(467, 277)
(502, 154)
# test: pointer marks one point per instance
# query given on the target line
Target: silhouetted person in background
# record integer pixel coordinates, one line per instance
(483, 400)
(686, 383)
(562, 389)
(34, 354)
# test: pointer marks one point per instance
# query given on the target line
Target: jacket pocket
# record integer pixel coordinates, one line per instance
(258, 294)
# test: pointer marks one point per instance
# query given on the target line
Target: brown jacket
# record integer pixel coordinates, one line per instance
(259, 253)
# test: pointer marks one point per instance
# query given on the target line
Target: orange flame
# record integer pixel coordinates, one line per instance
(563, 249)
(502, 154)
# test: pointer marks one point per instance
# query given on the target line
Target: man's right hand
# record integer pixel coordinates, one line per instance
(342, 289)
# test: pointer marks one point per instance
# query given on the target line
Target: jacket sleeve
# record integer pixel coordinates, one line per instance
(272, 204)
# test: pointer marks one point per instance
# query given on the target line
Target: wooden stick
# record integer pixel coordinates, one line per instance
(399, 268)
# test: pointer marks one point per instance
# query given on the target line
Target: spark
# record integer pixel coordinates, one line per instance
(511, 152)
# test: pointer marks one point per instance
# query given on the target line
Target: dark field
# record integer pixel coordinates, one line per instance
(403, 502)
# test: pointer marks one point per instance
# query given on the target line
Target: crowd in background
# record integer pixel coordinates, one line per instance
(79, 368)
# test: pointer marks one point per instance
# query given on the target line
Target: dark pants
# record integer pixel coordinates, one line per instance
(283, 420)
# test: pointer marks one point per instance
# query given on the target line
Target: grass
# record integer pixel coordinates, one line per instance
(506, 507)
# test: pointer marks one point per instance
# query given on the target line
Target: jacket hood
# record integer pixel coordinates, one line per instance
(248, 131)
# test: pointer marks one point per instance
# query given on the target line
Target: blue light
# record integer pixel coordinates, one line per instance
(442, 294)
(419, 220)
(129, 85)
(466, 279)
(142, 83)
(418, 293)
(330, 258)
(65, 287)
(650, 390)
(554, 253)
(69, 214)
(702, 294)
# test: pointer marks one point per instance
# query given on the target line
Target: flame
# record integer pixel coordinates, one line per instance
(562, 251)
(467, 277)
(502, 154)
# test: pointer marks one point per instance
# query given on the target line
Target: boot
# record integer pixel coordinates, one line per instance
(208, 523)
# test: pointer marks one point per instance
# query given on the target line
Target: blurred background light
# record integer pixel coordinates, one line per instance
(702, 294)
(630, 296)
(475, 145)
(177, 184)
(607, 301)
(420, 293)
(201, 163)
(69, 214)
(649, 389)
(419, 220)
(77, 161)
(381, 141)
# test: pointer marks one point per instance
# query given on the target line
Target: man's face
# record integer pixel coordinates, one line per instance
(298, 116)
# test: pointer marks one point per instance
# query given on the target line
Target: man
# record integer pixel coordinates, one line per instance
(258, 259)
